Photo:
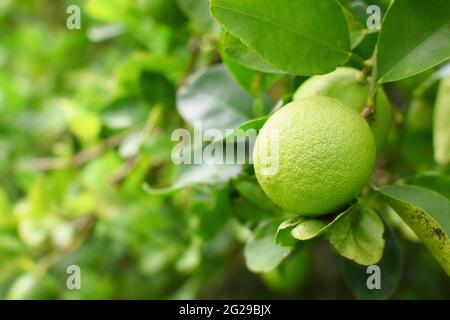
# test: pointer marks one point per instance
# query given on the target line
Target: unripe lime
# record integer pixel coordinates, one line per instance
(314, 156)
(346, 85)
(292, 275)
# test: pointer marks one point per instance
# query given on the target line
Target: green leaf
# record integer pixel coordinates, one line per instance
(194, 174)
(303, 228)
(433, 181)
(414, 37)
(390, 267)
(261, 253)
(441, 132)
(220, 98)
(293, 36)
(248, 213)
(255, 82)
(245, 56)
(365, 48)
(283, 236)
(214, 98)
(308, 229)
(356, 28)
(254, 124)
(427, 213)
(358, 9)
(359, 236)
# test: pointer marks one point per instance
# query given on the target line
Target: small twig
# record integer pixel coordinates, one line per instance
(125, 170)
(367, 112)
(370, 107)
(91, 153)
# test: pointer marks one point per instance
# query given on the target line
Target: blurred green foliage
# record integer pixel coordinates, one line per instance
(85, 120)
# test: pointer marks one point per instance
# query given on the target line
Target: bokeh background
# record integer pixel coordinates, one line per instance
(85, 119)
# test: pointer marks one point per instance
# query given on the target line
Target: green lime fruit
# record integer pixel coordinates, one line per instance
(292, 275)
(314, 156)
(346, 85)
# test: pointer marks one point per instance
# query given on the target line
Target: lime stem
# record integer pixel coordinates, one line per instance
(373, 86)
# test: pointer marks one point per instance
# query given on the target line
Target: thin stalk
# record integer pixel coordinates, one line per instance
(370, 108)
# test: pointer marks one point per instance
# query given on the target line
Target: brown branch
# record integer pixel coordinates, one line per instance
(126, 169)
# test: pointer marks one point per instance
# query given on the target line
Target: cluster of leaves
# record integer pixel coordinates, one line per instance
(85, 154)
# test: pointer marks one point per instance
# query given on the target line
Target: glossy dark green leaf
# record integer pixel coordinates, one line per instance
(414, 37)
(293, 36)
